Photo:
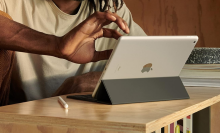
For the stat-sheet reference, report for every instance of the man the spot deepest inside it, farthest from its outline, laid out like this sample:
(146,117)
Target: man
(65,29)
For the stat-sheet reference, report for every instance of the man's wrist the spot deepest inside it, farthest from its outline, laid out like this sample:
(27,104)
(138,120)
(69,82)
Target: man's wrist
(55,50)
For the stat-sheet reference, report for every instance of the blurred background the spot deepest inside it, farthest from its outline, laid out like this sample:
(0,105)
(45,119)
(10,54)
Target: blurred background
(179,17)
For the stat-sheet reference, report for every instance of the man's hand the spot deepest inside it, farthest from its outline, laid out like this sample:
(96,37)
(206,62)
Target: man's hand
(79,44)
(83,83)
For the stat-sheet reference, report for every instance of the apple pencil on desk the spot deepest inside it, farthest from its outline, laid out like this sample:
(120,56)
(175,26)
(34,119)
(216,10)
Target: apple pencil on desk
(62,102)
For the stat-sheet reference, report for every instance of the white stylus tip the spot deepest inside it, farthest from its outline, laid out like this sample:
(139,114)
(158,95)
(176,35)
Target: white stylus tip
(65,106)
(62,102)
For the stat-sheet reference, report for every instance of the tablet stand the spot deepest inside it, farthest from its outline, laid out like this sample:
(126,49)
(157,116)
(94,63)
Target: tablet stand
(124,91)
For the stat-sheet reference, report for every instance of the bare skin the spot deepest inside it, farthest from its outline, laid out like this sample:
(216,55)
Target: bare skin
(67,6)
(82,83)
(77,46)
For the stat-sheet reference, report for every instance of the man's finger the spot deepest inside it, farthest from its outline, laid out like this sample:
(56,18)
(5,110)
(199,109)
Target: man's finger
(126,30)
(110,17)
(109,33)
(119,21)
(102,15)
(101,55)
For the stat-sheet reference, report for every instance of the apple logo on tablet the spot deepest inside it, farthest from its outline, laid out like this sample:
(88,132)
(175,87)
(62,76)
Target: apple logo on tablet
(147,68)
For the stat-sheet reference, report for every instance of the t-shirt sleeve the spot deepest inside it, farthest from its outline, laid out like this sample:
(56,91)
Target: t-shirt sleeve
(2,5)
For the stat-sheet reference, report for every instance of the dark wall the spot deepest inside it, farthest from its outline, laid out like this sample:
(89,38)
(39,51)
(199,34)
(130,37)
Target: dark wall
(179,17)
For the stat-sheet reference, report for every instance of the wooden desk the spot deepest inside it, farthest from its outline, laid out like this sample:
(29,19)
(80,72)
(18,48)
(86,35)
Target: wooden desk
(47,115)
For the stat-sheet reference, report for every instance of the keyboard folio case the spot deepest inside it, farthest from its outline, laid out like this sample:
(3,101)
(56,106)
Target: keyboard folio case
(124,91)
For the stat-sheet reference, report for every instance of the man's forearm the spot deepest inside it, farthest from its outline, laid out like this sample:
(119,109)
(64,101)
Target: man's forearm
(17,37)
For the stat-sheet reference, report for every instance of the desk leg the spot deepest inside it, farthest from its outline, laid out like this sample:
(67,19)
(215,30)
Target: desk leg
(215,118)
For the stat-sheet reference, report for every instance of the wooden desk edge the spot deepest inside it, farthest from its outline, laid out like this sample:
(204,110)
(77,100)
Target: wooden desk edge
(103,125)
(70,123)
(164,121)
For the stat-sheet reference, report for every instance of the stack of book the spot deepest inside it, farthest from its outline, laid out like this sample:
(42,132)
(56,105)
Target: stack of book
(201,75)
(194,75)
(184,125)
(181,126)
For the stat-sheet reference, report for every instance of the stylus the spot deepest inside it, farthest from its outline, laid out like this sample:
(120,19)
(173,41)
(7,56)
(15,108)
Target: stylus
(62,102)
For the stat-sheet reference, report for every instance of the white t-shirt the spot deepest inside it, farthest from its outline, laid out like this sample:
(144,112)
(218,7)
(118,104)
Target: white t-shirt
(39,76)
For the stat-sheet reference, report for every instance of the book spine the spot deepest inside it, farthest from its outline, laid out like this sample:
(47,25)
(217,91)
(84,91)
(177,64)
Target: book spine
(189,124)
(158,131)
(172,128)
(177,129)
(175,124)
(168,128)
(184,125)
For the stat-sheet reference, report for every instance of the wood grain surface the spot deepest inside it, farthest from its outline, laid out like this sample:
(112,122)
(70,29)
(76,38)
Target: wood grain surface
(215,118)
(179,17)
(166,129)
(82,116)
